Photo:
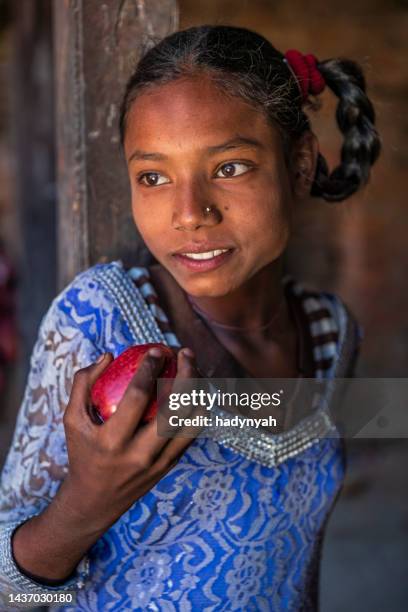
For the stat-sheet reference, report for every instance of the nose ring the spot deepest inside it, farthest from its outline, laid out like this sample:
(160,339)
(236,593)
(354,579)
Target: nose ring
(208,209)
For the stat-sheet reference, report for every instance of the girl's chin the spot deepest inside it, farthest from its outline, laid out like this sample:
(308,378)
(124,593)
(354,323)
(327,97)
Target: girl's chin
(208,287)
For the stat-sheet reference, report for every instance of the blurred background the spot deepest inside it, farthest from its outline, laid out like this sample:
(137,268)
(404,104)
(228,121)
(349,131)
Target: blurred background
(358,248)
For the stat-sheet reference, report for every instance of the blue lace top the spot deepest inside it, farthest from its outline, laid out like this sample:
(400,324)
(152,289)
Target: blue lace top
(233,526)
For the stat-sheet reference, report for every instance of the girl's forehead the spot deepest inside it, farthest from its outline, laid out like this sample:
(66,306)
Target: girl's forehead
(192,109)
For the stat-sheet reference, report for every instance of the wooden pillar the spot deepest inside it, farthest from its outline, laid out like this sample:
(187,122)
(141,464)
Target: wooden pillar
(96,46)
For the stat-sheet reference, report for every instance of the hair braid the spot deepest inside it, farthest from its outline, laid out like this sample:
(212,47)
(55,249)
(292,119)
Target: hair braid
(356,120)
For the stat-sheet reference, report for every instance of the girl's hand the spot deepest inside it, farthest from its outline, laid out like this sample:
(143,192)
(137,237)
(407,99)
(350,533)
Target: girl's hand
(114,464)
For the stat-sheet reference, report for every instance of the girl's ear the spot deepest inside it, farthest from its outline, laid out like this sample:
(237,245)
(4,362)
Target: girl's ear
(303,162)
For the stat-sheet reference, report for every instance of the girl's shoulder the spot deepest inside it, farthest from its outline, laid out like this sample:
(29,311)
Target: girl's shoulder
(87,282)
(88,302)
(87,291)
(110,307)
(336,333)
(321,305)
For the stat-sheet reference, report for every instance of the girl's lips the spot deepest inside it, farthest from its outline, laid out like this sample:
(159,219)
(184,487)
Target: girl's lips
(202,265)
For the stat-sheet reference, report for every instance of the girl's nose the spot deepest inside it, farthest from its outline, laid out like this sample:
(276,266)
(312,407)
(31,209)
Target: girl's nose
(193,207)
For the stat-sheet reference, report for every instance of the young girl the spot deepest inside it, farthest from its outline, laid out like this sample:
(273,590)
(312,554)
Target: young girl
(220,153)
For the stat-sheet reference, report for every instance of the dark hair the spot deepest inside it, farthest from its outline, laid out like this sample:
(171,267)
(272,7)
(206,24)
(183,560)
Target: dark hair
(243,63)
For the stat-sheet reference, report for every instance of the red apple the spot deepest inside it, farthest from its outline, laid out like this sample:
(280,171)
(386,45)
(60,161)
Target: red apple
(111,385)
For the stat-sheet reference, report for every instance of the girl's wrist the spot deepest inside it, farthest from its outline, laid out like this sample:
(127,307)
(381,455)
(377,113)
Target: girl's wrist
(73,508)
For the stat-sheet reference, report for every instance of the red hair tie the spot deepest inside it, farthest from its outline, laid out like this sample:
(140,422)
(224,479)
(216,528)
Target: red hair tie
(305,69)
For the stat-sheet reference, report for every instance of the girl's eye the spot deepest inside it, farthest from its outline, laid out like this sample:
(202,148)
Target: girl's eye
(152,179)
(232,169)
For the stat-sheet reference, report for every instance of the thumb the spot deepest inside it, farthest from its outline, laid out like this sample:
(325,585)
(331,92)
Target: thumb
(86,377)
(82,385)
(95,369)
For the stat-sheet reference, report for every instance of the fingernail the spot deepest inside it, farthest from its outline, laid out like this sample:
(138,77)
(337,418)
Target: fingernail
(155,352)
(188,353)
(100,358)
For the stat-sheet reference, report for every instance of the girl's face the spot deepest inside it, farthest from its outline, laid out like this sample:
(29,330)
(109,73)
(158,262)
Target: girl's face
(189,146)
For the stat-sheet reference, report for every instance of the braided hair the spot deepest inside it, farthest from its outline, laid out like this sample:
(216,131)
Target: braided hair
(243,63)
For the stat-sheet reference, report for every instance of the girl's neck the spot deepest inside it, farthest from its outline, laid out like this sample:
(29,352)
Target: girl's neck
(257,309)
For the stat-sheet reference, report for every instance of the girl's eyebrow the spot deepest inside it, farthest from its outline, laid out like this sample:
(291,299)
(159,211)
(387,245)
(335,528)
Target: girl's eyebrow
(234,143)
(238,142)
(138,154)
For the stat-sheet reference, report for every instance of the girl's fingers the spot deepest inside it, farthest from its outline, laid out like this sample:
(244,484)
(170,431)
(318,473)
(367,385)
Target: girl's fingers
(175,448)
(162,450)
(153,438)
(142,389)
(79,402)
(186,364)
(96,369)
(140,392)
(186,370)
